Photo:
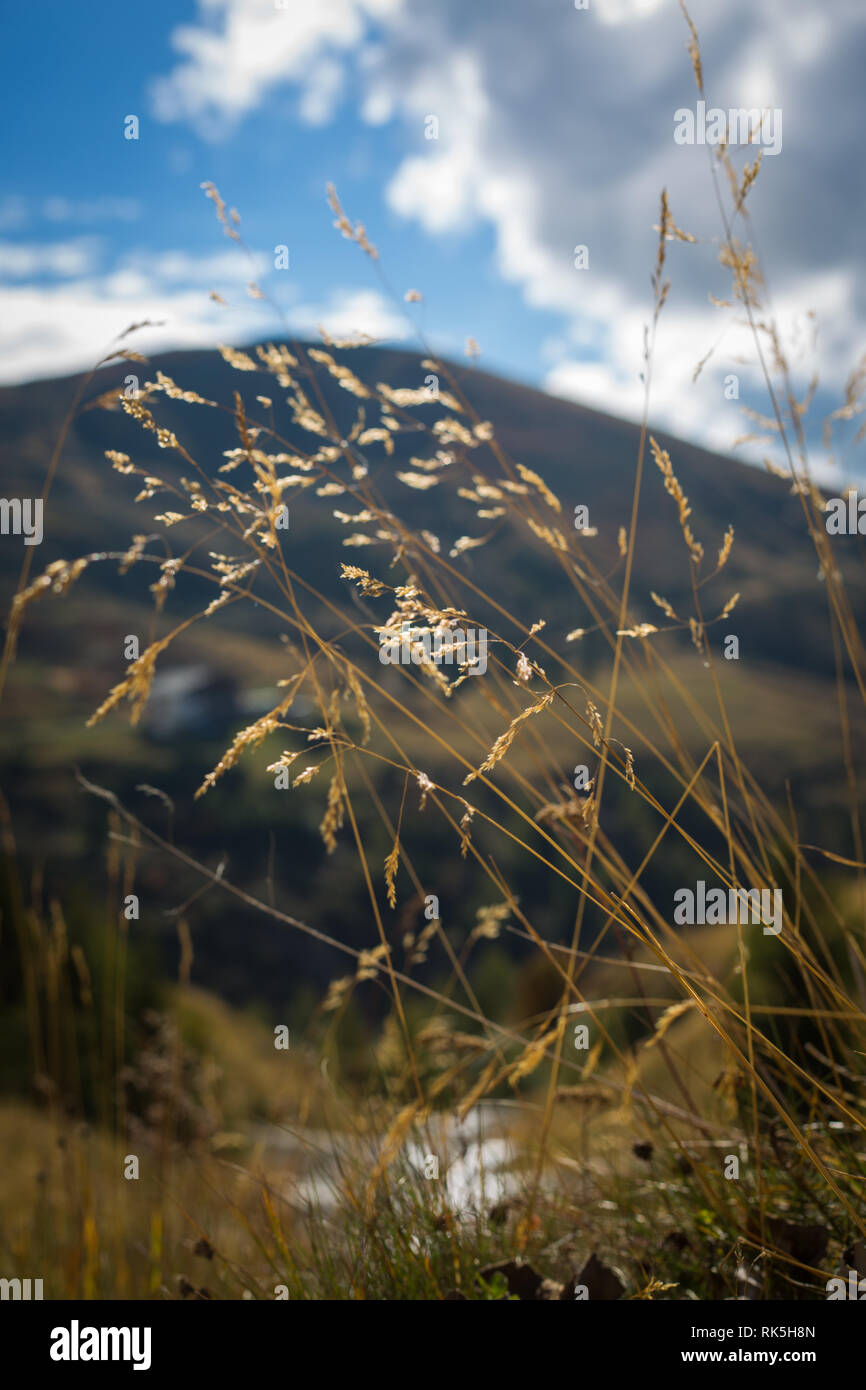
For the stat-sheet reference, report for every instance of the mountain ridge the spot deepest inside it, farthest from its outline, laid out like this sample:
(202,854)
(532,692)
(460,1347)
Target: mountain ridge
(587,457)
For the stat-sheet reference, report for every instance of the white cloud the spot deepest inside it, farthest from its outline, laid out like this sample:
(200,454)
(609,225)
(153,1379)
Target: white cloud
(319,99)
(556,129)
(26,260)
(48,331)
(54,329)
(700,409)
(93,210)
(18,211)
(245,48)
(613,12)
(216,271)
(350,312)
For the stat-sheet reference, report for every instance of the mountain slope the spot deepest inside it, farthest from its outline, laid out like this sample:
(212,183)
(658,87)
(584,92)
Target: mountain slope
(587,458)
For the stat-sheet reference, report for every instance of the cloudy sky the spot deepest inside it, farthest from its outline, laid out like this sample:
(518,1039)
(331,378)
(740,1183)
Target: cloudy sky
(555,129)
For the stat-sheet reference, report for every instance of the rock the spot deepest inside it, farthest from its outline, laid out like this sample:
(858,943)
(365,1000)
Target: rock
(600,1280)
(805,1243)
(521,1278)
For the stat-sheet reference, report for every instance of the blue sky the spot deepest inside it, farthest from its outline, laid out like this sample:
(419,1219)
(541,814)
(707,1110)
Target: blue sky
(131,205)
(555,128)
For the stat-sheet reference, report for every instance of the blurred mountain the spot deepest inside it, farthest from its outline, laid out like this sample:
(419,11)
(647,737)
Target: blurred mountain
(781,694)
(586,457)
